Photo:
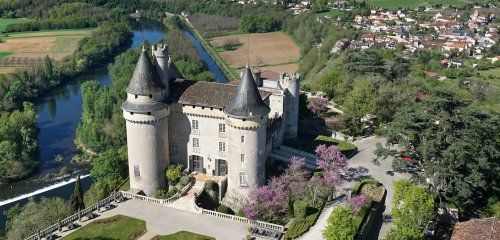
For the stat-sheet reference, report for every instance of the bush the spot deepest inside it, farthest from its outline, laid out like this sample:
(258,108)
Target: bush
(184,180)
(162,194)
(300,226)
(240,213)
(300,208)
(225,209)
(210,185)
(174,173)
(231,44)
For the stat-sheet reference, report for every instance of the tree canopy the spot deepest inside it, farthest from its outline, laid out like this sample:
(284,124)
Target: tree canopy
(456,144)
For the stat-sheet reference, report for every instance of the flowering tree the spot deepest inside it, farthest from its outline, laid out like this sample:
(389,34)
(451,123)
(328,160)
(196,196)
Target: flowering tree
(268,202)
(333,163)
(357,203)
(317,105)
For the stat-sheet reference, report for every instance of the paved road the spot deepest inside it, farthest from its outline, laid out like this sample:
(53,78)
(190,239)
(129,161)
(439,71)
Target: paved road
(362,166)
(162,220)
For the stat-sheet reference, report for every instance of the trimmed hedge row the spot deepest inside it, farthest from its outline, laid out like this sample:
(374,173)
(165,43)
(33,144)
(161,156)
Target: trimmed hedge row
(359,184)
(301,225)
(346,148)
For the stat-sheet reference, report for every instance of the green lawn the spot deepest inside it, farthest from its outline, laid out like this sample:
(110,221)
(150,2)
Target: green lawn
(4,22)
(183,235)
(415,3)
(116,227)
(491,76)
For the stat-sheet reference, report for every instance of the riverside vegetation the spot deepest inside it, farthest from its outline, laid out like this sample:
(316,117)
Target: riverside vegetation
(19,145)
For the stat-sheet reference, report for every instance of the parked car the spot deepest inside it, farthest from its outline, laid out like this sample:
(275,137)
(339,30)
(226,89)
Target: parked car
(411,168)
(390,173)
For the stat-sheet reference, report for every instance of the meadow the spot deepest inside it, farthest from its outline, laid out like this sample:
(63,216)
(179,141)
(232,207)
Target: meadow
(273,51)
(24,48)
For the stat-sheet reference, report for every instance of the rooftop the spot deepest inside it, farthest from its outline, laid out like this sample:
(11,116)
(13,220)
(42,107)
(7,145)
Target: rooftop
(477,229)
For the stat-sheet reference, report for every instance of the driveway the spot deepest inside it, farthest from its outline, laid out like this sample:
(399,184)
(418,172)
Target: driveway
(362,166)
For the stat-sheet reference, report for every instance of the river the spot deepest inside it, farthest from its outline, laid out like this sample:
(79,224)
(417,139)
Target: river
(59,113)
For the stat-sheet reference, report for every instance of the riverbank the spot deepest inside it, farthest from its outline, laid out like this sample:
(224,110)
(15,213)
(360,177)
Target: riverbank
(228,71)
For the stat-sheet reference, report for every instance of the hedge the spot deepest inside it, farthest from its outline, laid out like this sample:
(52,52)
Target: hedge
(300,208)
(346,148)
(301,225)
(359,184)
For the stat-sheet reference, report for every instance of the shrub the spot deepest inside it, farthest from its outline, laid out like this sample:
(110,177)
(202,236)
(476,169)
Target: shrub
(240,213)
(174,173)
(231,44)
(210,185)
(225,209)
(184,180)
(300,208)
(162,194)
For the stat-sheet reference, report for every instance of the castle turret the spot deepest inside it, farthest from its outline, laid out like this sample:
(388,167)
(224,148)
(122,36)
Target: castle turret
(161,61)
(146,111)
(247,120)
(290,83)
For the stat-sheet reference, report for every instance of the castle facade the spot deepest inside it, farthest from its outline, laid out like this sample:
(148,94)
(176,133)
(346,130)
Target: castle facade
(211,128)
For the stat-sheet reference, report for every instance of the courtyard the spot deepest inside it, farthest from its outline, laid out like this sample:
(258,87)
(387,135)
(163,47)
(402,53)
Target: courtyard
(163,221)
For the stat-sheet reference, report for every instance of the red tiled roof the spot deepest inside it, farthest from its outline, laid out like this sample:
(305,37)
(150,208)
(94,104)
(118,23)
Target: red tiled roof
(477,229)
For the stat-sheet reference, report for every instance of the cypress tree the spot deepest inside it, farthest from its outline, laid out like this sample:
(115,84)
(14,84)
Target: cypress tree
(76,200)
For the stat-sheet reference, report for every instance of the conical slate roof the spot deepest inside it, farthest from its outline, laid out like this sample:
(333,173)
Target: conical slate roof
(247,101)
(145,80)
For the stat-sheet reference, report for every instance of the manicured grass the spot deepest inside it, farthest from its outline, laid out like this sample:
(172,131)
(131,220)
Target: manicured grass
(491,76)
(183,235)
(116,227)
(4,22)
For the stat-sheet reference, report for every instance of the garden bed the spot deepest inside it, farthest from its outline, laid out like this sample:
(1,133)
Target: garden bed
(183,235)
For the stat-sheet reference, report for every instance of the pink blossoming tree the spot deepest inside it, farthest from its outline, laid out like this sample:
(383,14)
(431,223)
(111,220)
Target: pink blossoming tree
(357,203)
(317,105)
(333,163)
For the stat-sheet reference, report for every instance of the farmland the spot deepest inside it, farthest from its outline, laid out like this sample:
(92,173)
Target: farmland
(273,51)
(24,48)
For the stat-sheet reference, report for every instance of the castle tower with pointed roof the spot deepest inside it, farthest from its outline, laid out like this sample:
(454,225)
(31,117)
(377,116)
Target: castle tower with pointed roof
(247,118)
(146,112)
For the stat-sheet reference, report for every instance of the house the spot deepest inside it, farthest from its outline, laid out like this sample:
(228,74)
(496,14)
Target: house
(477,229)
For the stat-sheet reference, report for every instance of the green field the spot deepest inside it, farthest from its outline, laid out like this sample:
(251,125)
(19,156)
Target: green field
(183,235)
(116,227)
(491,76)
(415,3)
(4,22)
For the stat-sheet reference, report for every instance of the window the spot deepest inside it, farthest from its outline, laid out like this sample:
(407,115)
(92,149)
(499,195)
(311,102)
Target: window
(136,96)
(196,142)
(194,124)
(243,179)
(242,139)
(174,149)
(242,157)
(222,146)
(222,127)
(137,171)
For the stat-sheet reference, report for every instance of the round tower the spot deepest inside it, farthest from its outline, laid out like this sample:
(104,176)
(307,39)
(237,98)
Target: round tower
(247,120)
(292,98)
(161,62)
(145,111)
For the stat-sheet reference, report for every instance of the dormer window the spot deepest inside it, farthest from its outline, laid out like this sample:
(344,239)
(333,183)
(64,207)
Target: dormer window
(136,96)
(150,96)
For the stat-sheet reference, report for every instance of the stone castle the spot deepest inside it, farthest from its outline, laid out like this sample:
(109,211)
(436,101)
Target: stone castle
(212,128)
